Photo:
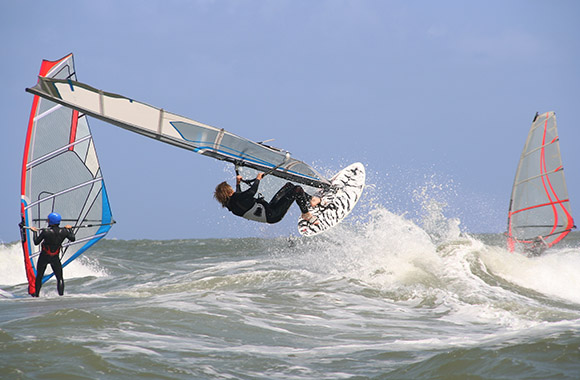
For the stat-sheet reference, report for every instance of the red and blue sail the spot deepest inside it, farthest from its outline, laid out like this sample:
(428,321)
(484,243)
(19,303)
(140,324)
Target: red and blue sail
(61,173)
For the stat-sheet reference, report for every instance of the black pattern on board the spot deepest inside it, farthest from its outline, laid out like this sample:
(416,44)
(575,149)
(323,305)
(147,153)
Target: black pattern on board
(337,202)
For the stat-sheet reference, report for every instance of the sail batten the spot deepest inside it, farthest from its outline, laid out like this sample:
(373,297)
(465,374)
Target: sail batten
(156,123)
(50,155)
(47,112)
(539,176)
(539,215)
(63,192)
(60,173)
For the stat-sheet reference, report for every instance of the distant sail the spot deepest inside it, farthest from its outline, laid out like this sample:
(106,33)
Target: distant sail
(539,209)
(61,173)
(176,130)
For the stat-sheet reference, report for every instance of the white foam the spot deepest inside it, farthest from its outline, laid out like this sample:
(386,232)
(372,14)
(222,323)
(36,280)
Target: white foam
(11,265)
(386,252)
(556,273)
(12,270)
(458,277)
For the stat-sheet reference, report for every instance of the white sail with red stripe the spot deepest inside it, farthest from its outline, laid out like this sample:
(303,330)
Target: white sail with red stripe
(61,173)
(539,213)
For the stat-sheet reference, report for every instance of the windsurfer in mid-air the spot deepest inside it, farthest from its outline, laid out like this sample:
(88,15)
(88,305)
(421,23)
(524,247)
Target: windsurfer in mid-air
(247,205)
(51,239)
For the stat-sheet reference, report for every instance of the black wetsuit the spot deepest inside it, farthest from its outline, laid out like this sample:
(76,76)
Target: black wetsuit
(536,248)
(245,204)
(51,238)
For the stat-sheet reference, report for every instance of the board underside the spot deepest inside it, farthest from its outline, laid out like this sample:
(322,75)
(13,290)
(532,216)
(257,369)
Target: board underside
(337,202)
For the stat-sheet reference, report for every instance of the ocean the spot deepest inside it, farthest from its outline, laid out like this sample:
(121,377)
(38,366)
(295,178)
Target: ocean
(386,298)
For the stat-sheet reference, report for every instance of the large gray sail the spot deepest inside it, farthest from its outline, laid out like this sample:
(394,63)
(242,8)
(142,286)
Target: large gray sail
(176,130)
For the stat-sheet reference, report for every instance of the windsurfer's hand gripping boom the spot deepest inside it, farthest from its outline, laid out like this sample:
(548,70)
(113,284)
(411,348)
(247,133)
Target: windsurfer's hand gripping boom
(240,179)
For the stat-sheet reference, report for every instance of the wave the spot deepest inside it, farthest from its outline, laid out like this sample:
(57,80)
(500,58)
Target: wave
(428,261)
(436,265)
(12,270)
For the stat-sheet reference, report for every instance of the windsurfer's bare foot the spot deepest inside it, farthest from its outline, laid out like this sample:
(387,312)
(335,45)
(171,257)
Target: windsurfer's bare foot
(315,201)
(312,219)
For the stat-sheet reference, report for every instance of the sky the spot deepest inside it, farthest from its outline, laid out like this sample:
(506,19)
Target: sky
(434,97)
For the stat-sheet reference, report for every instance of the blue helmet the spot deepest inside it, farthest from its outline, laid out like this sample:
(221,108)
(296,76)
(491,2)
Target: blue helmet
(54,218)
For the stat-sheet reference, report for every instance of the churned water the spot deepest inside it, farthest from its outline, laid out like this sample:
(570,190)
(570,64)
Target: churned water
(383,299)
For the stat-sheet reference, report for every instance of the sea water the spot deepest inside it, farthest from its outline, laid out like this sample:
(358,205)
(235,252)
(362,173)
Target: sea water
(386,298)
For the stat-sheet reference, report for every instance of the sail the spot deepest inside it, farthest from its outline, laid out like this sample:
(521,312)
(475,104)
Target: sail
(176,130)
(61,173)
(539,209)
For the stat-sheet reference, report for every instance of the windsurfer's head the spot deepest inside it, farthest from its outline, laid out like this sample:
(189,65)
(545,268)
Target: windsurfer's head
(54,218)
(222,193)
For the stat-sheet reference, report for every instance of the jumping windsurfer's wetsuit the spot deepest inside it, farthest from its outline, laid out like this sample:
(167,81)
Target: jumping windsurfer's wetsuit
(51,238)
(246,205)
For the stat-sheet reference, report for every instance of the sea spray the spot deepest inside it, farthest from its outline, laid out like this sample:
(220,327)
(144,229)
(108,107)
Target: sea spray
(12,266)
(556,274)
(384,295)
(379,299)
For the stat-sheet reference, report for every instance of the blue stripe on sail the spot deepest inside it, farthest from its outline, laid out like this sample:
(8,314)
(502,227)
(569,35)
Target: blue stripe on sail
(207,145)
(252,160)
(102,231)
(107,217)
(87,245)
(107,214)
(236,154)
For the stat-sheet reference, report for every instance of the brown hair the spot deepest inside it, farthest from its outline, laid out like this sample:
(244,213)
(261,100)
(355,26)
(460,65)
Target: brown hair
(222,193)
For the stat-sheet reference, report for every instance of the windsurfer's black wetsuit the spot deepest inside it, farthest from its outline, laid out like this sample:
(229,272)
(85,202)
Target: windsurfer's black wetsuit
(537,247)
(51,238)
(246,205)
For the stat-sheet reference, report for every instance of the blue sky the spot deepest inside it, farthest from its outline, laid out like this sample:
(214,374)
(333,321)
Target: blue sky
(433,96)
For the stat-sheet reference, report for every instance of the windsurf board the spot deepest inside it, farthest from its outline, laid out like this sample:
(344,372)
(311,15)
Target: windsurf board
(336,202)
